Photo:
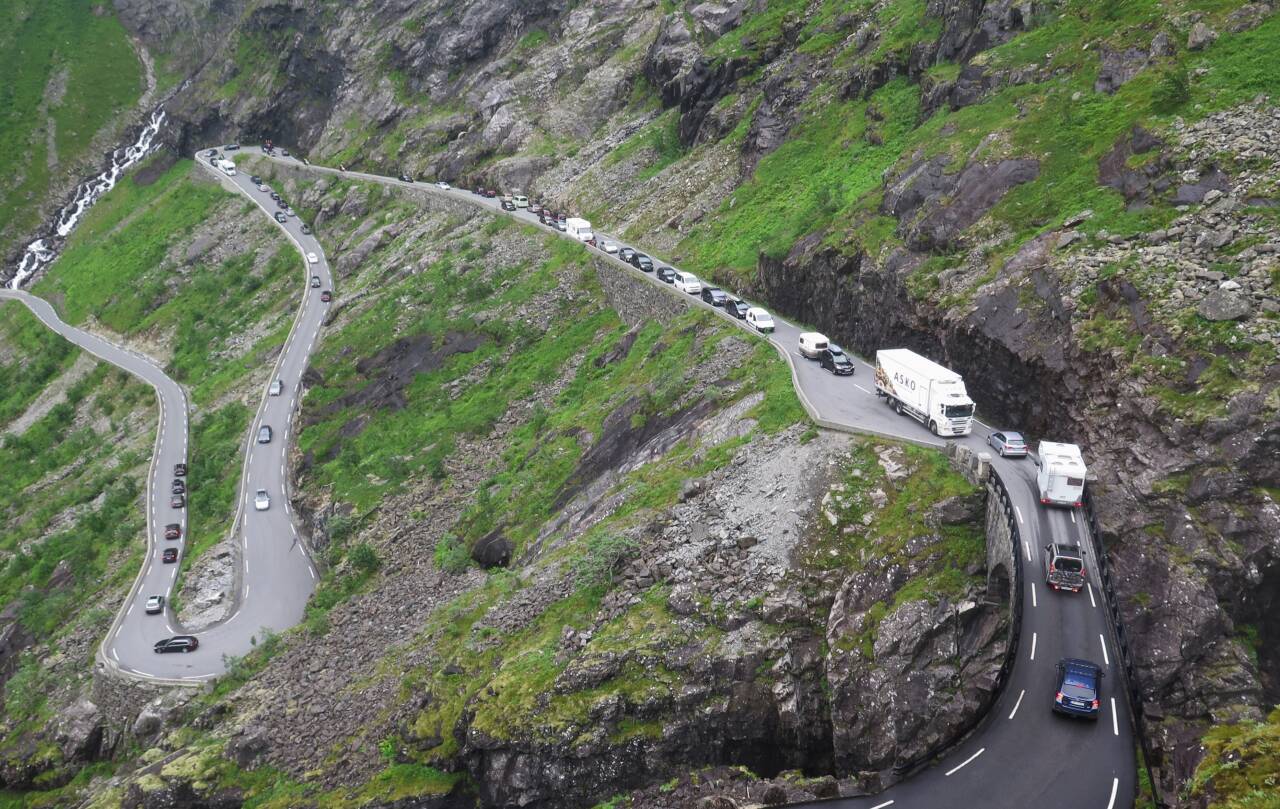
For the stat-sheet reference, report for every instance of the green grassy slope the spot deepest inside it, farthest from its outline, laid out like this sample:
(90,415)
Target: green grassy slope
(71,523)
(68,70)
(827,176)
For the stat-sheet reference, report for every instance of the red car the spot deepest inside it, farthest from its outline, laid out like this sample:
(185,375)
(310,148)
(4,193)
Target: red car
(326,296)
(170,555)
(172,531)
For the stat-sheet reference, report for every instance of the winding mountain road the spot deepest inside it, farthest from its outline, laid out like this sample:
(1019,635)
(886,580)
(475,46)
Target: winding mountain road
(1021,756)
(274,575)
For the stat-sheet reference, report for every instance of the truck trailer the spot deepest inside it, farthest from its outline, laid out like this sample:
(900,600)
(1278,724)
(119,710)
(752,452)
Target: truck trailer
(1061,474)
(921,388)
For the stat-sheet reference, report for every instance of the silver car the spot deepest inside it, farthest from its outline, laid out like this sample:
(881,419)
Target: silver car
(1008,444)
(261,501)
(155,605)
(264,434)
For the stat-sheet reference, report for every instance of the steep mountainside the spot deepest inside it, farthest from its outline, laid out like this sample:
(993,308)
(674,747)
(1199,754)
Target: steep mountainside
(1071,202)
(72,79)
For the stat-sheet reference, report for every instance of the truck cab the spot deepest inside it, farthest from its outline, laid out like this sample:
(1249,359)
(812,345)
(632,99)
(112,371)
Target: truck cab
(1064,567)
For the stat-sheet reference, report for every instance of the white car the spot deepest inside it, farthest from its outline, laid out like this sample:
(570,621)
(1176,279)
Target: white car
(155,605)
(609,247)
(687,282)
(277,387)
(812,344)
(261,501)
(312,258)
(760,319)
(521,201)
(263,187)
(443,185)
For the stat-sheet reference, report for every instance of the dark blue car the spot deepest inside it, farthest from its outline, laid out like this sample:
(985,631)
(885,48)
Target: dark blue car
(1079,691)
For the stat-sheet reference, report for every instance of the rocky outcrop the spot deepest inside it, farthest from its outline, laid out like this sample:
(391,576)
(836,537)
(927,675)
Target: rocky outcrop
(1185,490)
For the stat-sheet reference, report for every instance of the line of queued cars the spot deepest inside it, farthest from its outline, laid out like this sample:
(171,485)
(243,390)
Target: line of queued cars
(155,604)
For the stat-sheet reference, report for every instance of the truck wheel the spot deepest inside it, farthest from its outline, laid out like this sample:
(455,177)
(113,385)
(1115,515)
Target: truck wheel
(897,407)
(933,426)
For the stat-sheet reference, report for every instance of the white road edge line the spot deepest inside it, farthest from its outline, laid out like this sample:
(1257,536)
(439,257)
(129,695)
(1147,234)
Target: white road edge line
(1105,658)
(1018,704)
(1115,785)
(956,768)
(1115,723)
(1091,601)
(1033,646)
(1033,595)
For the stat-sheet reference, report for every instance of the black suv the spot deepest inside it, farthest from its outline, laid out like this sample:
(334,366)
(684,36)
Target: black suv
(642,262)
(405,178)
(737,308)
(1064,567)
(180,469)
(666,275)
(178,643)
(1079,688)
(714,296)
(178,487)
(836,361)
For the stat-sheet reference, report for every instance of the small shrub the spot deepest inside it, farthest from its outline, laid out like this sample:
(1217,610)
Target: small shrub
(1171,91)
(451,555)
(364,559)
(340,526)
(604,555)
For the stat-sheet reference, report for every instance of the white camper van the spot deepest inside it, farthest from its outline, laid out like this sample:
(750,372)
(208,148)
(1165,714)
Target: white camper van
(1061,474)
(228,167)
(924,390)
(579,229)
(812,344)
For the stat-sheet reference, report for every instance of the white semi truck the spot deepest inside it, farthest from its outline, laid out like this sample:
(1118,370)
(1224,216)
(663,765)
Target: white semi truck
(923,389)
(228,167)
(1061,474)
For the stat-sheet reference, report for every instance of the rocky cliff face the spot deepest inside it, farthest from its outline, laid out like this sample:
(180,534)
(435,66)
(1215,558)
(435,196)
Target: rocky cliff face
(1186,459)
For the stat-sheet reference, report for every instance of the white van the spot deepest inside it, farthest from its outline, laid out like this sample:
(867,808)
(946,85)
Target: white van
(760,319)
(812,344)
(228,167)
(521,201)
(687,282)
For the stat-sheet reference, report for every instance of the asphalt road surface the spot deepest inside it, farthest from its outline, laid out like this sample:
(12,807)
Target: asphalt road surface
(1023,755)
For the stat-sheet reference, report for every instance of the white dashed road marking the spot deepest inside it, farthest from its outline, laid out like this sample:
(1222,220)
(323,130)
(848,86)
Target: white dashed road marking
(1018,511)
(859,387)
(1115,723)
(1073,516)
(1017,704)
(1033,595)
(1026,549)
(1091,601)
(882,805)
(956,768)
(1033,646)
(1105,658)
(1115,785)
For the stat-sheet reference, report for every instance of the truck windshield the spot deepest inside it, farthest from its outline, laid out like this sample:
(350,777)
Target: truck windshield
(958,411)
